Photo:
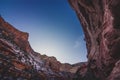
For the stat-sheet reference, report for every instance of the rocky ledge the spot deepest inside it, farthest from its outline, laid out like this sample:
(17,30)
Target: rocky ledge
(100,21)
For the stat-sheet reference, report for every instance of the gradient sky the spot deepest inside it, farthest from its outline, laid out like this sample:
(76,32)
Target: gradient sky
(53,27)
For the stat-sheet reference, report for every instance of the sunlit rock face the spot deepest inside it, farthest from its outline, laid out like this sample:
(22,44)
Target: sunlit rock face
(100,21)
(19,62)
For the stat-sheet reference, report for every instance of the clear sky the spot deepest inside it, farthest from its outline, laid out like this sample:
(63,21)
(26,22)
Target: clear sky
(53,27)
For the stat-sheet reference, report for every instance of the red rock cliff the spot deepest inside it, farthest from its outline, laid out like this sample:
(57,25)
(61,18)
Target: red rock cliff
(19,37)
(19,62)
(100,21)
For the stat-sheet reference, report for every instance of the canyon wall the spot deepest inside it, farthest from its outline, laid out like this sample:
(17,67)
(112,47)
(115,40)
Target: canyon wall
(18,61)
(100,20)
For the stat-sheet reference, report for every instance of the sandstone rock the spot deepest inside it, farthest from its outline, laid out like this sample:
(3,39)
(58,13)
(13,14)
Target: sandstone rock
(100,21)
(52,63)
(115,74)
(66,67)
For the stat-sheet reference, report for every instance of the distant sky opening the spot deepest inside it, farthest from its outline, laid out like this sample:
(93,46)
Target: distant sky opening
(53,27)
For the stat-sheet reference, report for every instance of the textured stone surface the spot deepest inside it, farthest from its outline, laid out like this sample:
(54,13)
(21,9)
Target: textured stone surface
(100,21)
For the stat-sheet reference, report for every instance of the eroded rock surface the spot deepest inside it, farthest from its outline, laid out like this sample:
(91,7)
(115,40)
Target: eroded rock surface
(100,21)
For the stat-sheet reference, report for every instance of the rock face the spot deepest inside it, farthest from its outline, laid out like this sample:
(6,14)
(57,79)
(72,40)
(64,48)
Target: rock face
(18,61)
(100,21)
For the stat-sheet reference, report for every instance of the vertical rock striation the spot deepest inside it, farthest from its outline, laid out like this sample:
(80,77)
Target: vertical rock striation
(100,21)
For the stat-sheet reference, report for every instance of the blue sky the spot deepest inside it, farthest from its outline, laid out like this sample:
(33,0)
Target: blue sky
(53,27)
